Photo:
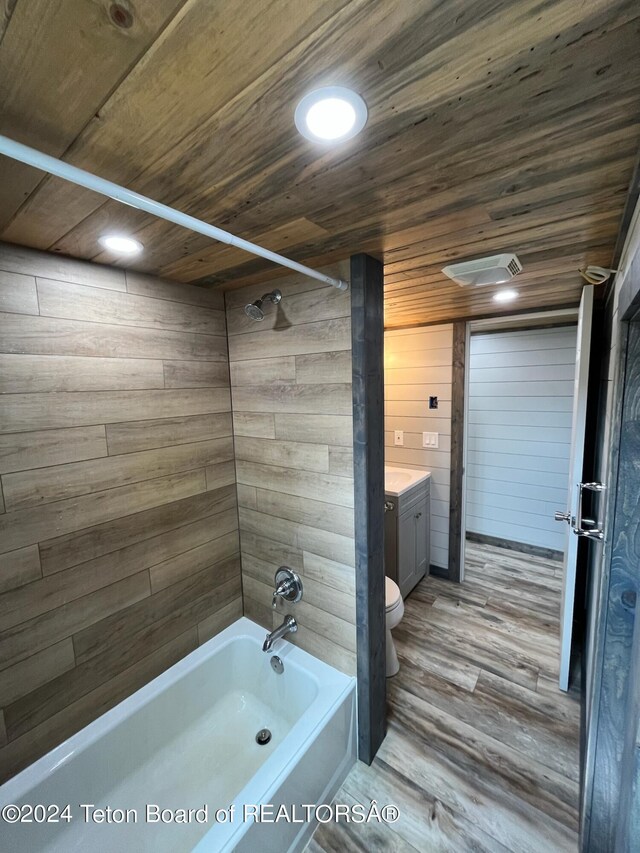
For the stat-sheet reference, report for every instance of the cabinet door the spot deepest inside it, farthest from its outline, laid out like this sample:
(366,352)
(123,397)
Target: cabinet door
(406,552)
(421,518)
(413,546)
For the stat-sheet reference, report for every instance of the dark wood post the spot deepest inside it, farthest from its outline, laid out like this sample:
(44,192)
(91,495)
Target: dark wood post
(367,337)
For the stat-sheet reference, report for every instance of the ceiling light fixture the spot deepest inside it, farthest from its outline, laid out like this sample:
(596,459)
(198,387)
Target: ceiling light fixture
(121,245)
(331,114)
(505,295)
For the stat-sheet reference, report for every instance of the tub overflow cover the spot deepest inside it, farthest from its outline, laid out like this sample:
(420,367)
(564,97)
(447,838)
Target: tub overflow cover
(263,737)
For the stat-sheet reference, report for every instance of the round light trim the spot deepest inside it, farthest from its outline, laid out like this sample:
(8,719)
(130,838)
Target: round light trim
(121,245)
(331,114)
(505,295)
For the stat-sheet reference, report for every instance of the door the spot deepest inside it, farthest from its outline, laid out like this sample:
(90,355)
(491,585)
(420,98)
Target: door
(413,544)
(576,462)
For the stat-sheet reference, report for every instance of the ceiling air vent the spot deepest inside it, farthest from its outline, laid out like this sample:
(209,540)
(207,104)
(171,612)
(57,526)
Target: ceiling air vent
(498,269)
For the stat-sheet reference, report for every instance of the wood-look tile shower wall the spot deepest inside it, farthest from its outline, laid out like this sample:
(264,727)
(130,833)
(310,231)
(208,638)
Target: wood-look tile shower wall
(119,545)
(293,427)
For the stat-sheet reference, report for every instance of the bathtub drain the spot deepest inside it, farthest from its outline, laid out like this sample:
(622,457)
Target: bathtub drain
(263,737)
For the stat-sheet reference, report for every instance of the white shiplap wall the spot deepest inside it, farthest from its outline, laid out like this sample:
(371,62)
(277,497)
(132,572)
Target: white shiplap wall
(519,433)
(417,366)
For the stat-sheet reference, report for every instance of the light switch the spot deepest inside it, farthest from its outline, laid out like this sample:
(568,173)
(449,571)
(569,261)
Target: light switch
(430,439)
(398,438)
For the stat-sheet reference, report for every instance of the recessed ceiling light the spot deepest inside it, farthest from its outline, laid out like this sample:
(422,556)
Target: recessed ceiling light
(331,114)
(121,245)
(505,295)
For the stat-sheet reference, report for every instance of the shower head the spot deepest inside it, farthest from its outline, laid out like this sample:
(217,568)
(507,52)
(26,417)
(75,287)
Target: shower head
(254,309)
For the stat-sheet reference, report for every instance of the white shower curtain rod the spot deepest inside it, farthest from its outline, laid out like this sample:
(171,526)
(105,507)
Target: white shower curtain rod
(54,166)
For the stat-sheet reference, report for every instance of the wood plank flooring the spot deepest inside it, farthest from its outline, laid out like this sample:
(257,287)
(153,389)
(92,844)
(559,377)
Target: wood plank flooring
(481,752)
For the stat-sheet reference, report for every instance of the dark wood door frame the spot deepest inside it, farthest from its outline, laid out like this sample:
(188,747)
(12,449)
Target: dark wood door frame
(456,496)
(610,789)
(367,341)
(611,764)
(453,572)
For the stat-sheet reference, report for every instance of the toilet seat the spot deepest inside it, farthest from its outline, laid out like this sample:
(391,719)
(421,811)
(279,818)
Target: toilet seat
(392,597)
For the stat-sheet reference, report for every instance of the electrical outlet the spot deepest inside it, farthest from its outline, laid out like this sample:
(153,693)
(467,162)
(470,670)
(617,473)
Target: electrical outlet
(430,440)
(398,438)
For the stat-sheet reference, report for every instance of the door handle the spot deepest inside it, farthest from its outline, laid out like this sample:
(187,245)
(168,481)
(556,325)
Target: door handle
(562,516)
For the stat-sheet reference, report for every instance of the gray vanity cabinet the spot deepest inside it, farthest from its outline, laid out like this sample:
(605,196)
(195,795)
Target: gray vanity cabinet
(407,533)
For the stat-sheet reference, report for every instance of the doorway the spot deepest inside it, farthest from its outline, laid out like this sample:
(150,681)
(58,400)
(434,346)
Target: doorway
(519,412)
(524,436)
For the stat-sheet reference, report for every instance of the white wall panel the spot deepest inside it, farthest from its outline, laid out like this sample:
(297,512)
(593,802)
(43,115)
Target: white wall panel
(534,477)
(487,402)
(521,418)
(519,433)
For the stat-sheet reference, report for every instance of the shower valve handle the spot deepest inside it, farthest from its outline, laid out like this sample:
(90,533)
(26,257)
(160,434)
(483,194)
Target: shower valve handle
(280,592)
(288,586)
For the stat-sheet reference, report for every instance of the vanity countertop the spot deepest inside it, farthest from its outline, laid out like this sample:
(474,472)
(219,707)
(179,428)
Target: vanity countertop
(397,481)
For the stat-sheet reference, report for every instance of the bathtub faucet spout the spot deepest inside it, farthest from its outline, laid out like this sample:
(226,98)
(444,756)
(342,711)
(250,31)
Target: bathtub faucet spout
(289,626)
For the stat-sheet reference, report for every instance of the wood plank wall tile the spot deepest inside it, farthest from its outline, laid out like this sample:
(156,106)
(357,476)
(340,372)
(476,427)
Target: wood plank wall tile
(218,621)
(293,428)
(158,288)
(199,374)
(131,436)
(119,547)
(161,615)
(41,448)
(24,412)
(44,485)
(77,302)
(18,293)
(56,336)
(19,567)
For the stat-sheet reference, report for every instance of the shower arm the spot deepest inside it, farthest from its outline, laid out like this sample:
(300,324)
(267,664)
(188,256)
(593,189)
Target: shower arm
(54,166)
(271,297)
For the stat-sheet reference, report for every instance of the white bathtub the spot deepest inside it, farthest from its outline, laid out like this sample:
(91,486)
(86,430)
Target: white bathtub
(187,740)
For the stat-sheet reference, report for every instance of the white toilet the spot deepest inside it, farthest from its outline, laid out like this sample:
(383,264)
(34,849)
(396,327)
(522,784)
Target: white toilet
(394,613)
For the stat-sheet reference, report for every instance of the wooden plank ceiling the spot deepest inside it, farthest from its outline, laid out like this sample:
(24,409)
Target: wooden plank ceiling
(498,125)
